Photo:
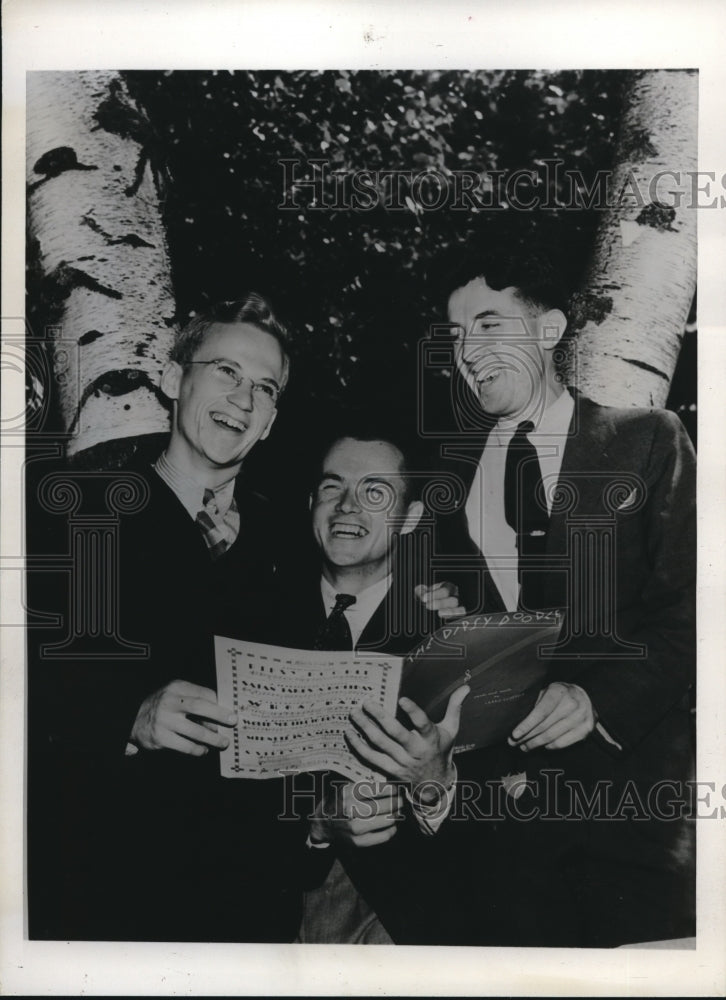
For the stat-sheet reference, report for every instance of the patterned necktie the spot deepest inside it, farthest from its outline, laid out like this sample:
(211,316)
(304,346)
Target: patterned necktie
(218,532)
(335,631)
(524,513)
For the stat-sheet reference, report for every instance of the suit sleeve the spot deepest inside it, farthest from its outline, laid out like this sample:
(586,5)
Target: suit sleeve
(632,695)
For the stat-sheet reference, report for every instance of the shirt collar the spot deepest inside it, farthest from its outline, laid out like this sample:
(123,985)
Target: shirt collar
(366,601)
(554,419)
(189,491)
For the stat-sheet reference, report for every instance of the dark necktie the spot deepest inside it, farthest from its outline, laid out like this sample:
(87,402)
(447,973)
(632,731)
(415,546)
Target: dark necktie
(335,632)
(525,514)
(219,533)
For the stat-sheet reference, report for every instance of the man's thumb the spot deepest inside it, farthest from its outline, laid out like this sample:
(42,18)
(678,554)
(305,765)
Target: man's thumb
(453,710)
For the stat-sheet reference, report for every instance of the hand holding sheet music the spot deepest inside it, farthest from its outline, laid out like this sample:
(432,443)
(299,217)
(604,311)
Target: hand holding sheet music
(294,706)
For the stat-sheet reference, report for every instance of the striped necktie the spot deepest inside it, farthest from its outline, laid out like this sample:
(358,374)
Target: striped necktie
(218,532)
(335,631)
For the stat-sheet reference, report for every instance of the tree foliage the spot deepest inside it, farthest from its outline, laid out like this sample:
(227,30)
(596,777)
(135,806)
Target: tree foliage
(358,283)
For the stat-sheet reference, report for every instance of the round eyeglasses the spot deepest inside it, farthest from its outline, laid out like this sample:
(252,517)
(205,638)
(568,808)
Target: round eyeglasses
(229,375)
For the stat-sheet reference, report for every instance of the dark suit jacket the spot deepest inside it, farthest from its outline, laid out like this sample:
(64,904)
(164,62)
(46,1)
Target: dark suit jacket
(408,880)
(627,486)
(155,846)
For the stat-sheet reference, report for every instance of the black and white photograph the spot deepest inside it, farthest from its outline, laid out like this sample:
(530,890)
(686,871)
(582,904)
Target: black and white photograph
(354,572)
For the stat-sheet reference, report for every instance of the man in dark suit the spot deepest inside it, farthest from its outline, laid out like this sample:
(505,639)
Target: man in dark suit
(134,835)
(566,503)
(361,594)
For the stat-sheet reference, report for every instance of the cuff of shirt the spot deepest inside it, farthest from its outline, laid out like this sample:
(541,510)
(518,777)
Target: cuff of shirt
(606,735)
(600,729)
(430,816)
(317,845)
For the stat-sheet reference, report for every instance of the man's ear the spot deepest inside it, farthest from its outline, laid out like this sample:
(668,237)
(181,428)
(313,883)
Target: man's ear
(171,380)
(270,422)
(413,516)
(551,327)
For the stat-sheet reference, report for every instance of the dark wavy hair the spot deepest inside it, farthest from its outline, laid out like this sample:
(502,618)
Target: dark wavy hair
(534,273)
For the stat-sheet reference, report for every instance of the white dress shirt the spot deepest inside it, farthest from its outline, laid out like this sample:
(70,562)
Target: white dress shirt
(488,526)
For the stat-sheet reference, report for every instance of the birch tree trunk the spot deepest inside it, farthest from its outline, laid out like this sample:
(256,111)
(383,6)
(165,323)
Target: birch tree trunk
(631,316)
(98,242)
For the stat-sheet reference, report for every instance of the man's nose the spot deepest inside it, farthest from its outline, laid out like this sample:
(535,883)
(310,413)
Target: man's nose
(473,346)
(348,501)
(242,395)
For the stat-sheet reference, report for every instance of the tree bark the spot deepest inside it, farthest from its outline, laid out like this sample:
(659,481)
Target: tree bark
(99,248)
(630,317)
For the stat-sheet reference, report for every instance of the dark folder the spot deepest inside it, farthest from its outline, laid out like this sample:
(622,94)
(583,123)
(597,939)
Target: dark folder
(500,656)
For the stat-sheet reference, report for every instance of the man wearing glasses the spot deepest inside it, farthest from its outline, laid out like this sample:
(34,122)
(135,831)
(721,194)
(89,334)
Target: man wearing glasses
(135,835)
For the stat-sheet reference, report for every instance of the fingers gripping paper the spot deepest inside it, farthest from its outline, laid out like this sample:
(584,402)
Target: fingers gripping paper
(293,706)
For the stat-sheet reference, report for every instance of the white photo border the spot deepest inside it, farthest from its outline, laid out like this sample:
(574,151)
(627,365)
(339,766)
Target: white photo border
(252,34)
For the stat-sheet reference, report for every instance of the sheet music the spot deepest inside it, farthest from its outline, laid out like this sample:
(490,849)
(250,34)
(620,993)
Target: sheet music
(293,706)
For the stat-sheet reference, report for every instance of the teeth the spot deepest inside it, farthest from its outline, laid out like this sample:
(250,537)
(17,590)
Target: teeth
(348,531)
(225,421)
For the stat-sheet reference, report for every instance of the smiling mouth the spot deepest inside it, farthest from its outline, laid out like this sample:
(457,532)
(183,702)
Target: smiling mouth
(229,423)
(341,529)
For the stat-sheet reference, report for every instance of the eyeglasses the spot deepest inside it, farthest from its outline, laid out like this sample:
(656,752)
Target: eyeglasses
(229,376)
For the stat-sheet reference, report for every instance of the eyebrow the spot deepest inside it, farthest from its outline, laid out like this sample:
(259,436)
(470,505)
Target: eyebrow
(383,478)
(488,312)
(265,378)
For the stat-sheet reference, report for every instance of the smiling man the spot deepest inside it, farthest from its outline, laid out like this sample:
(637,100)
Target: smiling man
(140,838)
(359,510)
(224,379)
(361,595)
(569,504)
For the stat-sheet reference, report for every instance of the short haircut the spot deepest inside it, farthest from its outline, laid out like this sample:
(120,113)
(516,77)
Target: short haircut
(251,308)
(534,274)
(367,429)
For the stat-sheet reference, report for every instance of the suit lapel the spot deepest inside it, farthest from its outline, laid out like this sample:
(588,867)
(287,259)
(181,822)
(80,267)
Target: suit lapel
(584,460)
(461,458)
(375,630)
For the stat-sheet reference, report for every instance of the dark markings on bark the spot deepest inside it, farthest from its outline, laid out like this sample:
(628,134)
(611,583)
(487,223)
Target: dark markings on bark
(646,367)
(56,162)
(637,147)
(658,216)
(116,383)
(117,454)
(589,307)
(118,115)
(130,239)
(64,279)
(89,337)
(88,220)
(141,350)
